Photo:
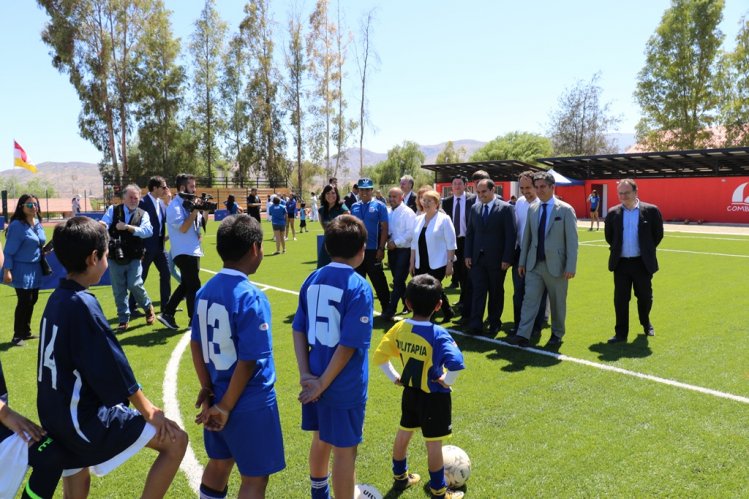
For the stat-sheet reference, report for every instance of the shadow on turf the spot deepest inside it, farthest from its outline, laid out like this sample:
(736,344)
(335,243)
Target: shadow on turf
(157,337)
(638,349)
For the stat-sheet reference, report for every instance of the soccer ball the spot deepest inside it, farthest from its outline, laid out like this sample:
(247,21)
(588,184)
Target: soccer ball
(366,491)
(457,465)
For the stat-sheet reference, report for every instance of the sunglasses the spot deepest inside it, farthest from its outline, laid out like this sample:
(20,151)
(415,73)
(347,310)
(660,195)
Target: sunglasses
(30,205)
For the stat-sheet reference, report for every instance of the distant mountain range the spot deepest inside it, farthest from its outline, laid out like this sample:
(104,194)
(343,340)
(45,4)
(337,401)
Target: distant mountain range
(68,179)
(75,177)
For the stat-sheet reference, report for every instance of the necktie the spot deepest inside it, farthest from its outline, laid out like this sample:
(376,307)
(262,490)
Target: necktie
(485,216)
(456,217)
(540,249)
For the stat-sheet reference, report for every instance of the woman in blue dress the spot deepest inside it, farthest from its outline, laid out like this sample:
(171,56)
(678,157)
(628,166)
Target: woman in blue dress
(22,269)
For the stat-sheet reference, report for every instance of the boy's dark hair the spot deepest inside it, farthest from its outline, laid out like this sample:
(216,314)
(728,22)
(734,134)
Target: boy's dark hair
(77,238)
(236,235)
(154,182)
(304,205)
(344,236)
(423,293)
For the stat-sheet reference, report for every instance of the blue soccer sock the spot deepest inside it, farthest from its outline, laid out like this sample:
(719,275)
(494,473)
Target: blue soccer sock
(400,468)
(320,487)
(437,481)
(208,493)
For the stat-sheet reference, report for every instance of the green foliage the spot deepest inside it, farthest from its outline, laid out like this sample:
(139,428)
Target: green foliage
(677,87)
(42,188)
(450,155)
(296,68)
(405,159)
(734,90)
(579,124)
(521,146)
(206,47)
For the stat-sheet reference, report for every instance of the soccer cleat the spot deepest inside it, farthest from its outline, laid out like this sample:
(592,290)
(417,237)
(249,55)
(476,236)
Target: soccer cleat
(446,494)
(167,320)
(402,482)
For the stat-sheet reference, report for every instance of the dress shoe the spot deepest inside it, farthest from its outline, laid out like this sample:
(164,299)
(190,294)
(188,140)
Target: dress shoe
(17,342)
(472,331)
(518,341)
(617,339)
(447,315)
(122,327)
(493,330)
(554,341)
(387,318)
(650,330)
(30,337)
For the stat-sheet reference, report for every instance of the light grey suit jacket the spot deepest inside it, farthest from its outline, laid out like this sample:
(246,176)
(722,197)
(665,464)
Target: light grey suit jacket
(560,245)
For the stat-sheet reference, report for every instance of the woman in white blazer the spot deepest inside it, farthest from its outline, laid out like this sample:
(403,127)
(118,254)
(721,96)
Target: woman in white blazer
(433,245)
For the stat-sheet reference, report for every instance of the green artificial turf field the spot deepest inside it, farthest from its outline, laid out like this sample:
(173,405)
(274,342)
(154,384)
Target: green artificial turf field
(532,424)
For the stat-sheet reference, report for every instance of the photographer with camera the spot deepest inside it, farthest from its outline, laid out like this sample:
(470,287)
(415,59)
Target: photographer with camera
(184,217)
(128,226)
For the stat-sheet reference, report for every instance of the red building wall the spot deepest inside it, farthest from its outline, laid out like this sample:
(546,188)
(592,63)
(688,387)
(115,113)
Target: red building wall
(711,199)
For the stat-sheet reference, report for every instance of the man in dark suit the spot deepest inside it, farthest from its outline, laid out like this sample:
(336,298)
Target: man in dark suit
(489,252)
(633,230)
(409,196)
(458,207)
(154,245)
(352,197)
(548,260)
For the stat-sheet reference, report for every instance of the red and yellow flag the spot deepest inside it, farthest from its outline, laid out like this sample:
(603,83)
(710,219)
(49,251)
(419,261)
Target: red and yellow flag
(20,159)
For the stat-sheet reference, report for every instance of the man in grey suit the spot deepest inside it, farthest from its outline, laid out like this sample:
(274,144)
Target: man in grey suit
(548,258)
(489,252)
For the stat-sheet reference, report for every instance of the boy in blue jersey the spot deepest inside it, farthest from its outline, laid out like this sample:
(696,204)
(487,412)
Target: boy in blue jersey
(332,330)
(431,361)
(233,358)
(84,381)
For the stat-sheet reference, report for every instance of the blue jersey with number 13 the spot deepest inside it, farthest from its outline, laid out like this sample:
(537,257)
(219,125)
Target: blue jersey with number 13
(232,322)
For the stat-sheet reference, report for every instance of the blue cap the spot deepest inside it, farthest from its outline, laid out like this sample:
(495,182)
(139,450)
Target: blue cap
(365,183)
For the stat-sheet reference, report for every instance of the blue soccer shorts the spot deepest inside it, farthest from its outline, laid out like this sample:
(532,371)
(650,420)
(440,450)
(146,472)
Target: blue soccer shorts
(337,427)
(252,438)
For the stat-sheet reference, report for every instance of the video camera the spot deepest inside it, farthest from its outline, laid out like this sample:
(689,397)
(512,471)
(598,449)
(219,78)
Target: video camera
(191,202)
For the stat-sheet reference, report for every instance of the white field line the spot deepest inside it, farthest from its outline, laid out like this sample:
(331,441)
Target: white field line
(598,244)
(194,470)
(190,464)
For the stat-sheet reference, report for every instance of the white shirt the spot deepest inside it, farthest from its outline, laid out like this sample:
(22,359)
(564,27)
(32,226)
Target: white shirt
(159,204)
(440,236)
(462,200)
(521,216)
(401,223)
(187,243)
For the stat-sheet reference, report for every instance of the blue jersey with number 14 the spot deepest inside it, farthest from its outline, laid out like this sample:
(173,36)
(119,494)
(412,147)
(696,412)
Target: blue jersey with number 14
(336,308)
(232,322)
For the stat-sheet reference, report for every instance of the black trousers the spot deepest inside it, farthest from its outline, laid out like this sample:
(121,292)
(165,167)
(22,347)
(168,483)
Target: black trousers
(372,268)
(438,274)
(487,278)
(189,267)
(460,272)
(165,279)
(630,273)
(24,310)
(398,260)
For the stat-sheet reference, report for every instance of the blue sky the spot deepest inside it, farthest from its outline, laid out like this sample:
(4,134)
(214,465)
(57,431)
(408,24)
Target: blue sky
(448,70)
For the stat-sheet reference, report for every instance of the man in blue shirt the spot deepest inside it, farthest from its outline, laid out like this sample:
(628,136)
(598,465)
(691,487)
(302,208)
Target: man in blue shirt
(184,234)
(128,226)
(374,214)
(233,357)
(332,330)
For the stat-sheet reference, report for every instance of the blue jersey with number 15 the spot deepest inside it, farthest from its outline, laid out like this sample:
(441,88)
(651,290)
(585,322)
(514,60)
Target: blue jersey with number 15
(336,308)
(232,322)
